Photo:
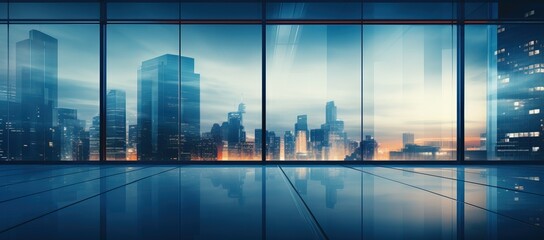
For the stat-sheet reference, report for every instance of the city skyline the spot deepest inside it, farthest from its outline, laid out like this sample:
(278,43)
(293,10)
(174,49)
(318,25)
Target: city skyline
(439,129)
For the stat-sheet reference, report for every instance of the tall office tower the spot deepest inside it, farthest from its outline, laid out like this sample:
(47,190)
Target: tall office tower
(330,112)
(301,147)
(70,130)
(408,138)
(258,142)
(289,145)
(335,138)
(272,146)
(317,140)
(132,136)
(520,91)
(37,91)
(189,108)
(302,125)
(116,125)
(94,139)
(235,134)
(168,108)
(242,111)
(369,147)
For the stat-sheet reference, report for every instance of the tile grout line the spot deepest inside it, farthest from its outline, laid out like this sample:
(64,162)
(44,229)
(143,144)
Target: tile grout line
(441,195)
(82,200)
(37,171)
(71,184)
(471,182)
(44,178)
(321,230)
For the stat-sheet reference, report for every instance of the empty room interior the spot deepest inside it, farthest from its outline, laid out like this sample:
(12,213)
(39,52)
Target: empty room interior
(271,119)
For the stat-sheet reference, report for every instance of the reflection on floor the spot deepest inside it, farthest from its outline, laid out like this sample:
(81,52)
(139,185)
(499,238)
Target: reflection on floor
(270,202)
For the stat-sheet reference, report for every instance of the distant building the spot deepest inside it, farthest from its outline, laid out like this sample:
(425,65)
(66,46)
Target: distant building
(116,126)
(94,139)
(369,148)
(289,145)
(408,138)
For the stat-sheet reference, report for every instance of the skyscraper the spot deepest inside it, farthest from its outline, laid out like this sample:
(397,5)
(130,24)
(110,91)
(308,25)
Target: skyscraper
(259,142)
(168,108)
(72,137)
(94,139)
(335,138)
(37,91)
(520,64)
(116,125)
(302,125)
(407,138)
(330,112)
(289,145)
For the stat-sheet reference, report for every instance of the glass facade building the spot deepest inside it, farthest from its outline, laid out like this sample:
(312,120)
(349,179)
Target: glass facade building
(276,80)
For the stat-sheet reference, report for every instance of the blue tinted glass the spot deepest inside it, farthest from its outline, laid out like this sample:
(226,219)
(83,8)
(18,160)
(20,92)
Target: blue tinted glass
(321,10)
(313,92)
(525,10)
(481,10)
(409,72)
(54,10)
(235,10)
(143,10)
(53,92)
(409,10)
(503,94)
(3,10)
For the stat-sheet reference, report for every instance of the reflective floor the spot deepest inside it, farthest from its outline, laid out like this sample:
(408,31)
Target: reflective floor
(271,202)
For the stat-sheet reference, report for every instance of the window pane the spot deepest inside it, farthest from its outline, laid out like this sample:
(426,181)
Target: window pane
(481,10)
(143,10)
(143,78)
(313,10)
(221,10)
(504,68)
(53,91)
(385,9)
(3,10)
(54,10)
(4,92)
(313,92)
(230,88)
(409,89)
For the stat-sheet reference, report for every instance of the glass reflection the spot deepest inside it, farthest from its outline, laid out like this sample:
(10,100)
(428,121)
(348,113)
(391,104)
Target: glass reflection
(313,92)
(276,202)
(51,93)
(504,66)
(409,89)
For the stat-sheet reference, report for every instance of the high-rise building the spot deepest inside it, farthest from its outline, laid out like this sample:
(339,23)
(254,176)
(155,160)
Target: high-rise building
(520,62)
(94,139)
(335,138)
(301,147)
(408,138)
(168,108)
(330,112)
(289,145)
(272,145)
(302,125)
(71,130)
(116,125)
(258,142)
(317,140)
(37,91)
(369,147)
